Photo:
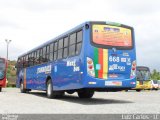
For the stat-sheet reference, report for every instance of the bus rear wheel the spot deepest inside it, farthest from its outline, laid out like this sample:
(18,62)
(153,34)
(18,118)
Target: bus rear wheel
(0,89)
(85,93)
(53,94)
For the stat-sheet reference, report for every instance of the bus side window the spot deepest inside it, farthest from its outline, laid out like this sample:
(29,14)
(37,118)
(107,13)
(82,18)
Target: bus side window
(51,52)
(32,59)
(18,65)
(37,58)
(79,36)
(40,56)
(55,50)
(44,55)
(78,48)
(47,53)
(26,61)
(65,49)
(35,55)
(60,48)
(72,50)
(72,46)
(79,42)
(29,60)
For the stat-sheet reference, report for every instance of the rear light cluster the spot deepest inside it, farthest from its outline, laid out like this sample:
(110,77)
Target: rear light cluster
(133,69)
(90,67)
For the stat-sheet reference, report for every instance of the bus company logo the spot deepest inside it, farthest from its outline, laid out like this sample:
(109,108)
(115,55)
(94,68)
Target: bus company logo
(45,69)
(73,63)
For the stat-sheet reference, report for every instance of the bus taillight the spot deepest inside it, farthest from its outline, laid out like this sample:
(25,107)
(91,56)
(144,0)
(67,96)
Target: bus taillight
(90,67)
(133,70)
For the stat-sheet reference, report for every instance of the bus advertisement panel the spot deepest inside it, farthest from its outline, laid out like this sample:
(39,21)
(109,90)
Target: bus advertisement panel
(94,56)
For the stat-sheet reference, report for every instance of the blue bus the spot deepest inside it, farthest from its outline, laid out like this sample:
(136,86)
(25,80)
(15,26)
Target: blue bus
(93,56)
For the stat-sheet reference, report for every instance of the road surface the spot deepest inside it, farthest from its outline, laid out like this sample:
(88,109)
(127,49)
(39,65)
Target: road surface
(35,102)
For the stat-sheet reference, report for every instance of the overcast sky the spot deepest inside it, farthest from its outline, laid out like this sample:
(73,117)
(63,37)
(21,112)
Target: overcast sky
(29,23)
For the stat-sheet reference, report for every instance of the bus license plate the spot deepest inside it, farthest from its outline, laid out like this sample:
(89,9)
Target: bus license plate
(113,83)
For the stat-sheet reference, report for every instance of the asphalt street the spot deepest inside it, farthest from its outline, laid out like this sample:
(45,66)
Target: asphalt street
(36,102)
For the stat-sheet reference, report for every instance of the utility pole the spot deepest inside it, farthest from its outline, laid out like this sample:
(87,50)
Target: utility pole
(7,41)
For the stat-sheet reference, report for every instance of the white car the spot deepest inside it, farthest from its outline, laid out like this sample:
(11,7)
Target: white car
(154,85)
(159,84)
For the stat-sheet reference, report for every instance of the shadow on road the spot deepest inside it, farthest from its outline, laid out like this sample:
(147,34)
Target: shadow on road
(92,101)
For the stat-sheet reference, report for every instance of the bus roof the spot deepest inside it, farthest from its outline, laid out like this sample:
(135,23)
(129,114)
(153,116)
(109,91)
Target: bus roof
(69,31)
(143,68)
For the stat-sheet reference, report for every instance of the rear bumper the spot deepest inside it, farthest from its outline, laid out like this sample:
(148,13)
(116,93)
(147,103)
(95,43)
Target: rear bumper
(91,82)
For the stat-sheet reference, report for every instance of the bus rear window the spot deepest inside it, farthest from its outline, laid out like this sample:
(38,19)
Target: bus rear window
(108,35)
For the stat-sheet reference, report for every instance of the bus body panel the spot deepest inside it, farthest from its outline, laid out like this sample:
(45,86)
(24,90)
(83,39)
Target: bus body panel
(62,76)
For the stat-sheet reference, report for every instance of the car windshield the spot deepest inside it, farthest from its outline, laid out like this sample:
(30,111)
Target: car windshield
(143,75)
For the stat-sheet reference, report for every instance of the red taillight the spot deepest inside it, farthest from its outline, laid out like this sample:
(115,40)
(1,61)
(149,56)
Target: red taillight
(90,67)
(133,68)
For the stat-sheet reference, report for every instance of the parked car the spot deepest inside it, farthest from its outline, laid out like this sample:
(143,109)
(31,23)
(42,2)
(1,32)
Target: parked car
(158,84)
(154,85)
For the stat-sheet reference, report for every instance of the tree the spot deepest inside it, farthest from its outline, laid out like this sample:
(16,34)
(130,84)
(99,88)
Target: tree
(155,75)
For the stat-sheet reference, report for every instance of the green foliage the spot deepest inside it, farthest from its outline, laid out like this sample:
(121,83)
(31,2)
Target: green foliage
(155,75)
(11,74)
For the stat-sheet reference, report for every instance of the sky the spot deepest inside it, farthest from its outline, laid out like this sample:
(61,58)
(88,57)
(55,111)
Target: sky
(29,23)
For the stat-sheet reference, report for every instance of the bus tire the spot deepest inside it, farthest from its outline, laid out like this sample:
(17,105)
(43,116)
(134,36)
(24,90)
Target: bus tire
(138,90)
(85,93)
(0,89)
(53,94)
(22,89)
(49,90)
